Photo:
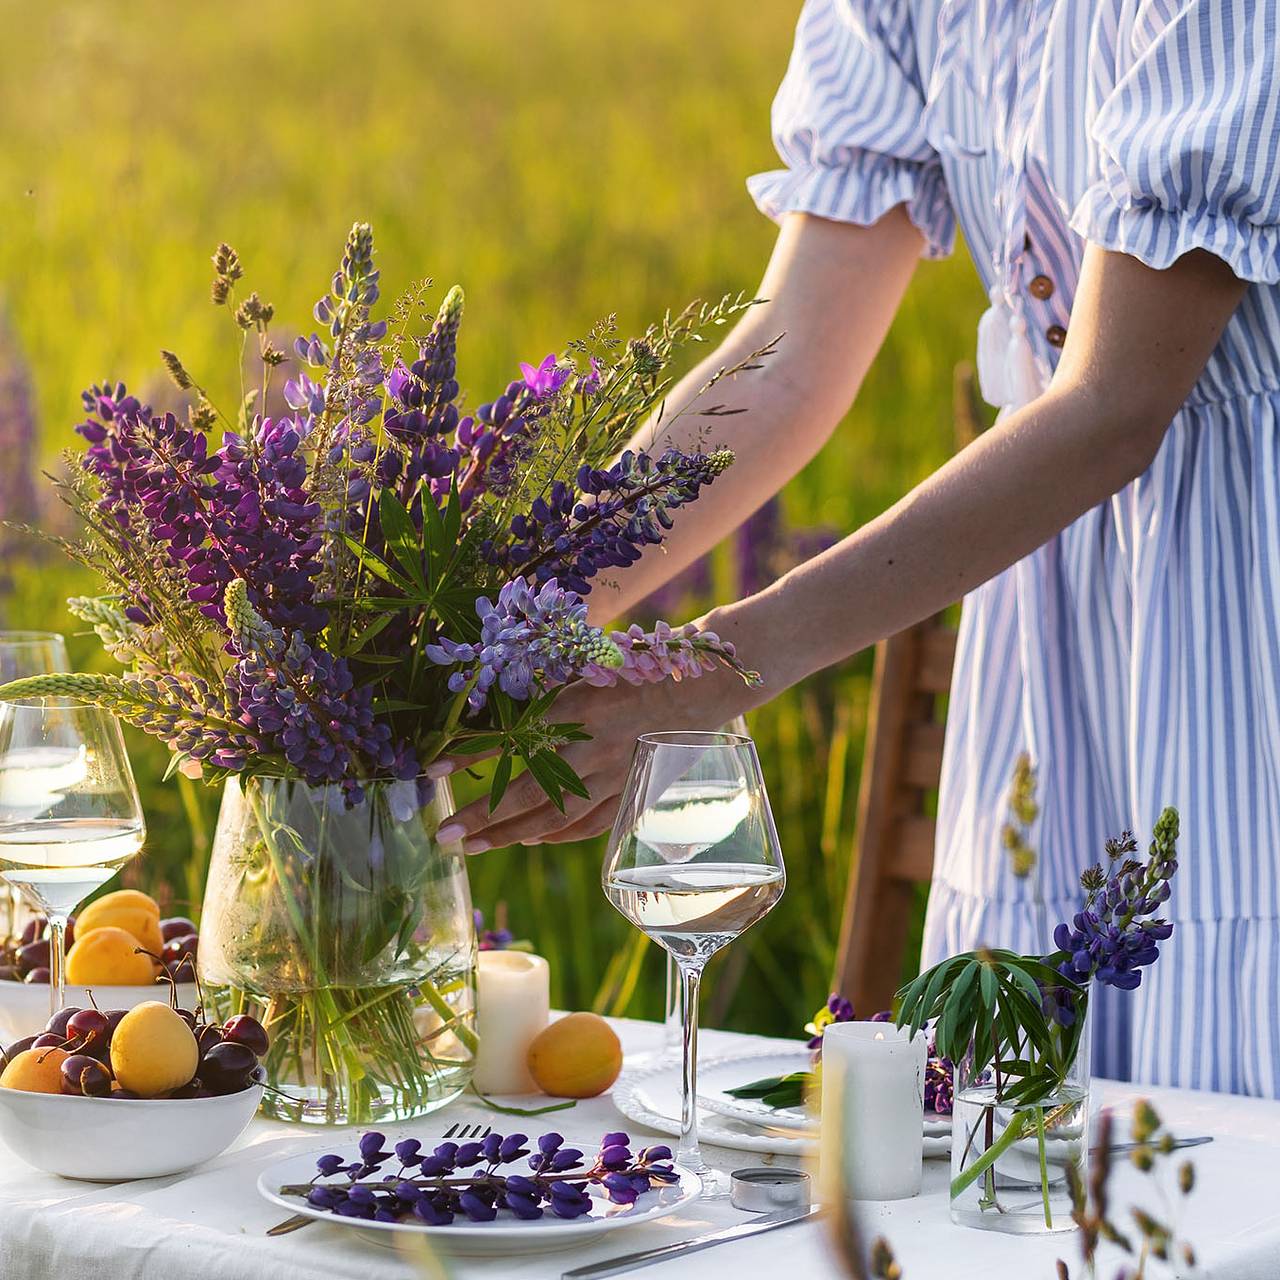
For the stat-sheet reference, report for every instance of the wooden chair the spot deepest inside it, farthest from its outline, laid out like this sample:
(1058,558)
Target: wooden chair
(901,767)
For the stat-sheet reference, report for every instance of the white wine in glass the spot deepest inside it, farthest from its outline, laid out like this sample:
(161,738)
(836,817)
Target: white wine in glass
(694,861)
(22,654)
(70,816)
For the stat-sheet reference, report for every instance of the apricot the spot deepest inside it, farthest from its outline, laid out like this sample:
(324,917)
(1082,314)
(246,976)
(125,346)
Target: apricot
(126,909)
(35,1071)
(577,1056)
(109,957)
(153,1050)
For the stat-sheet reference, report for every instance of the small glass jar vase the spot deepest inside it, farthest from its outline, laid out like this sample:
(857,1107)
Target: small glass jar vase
(335,918)
(1011,1159)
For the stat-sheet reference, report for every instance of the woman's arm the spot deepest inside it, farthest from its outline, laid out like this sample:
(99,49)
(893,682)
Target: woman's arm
(833,289)
(1138,341)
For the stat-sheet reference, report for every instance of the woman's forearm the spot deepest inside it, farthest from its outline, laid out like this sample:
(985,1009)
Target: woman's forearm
(832,290)
(1139,340)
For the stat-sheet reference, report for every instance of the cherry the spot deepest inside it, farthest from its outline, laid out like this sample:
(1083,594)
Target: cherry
(208,1037)
(48,1041)
(90,1031)
(248,1031)
(176,927)
(82,1074)
(19,1046)
(176,949)
(38,975)
(10,973)
(226,1067)
(58,1023)
(35,955)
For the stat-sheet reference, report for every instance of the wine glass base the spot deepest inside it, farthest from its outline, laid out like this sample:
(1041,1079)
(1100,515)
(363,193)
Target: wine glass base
(715,1184)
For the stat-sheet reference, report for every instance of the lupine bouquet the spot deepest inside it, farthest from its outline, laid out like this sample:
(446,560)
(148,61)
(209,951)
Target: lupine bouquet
(317,602)
(380,574)
(1016,1023)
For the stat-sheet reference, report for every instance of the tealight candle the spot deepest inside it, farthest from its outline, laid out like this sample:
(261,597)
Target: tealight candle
(872,1111)
(513,1003)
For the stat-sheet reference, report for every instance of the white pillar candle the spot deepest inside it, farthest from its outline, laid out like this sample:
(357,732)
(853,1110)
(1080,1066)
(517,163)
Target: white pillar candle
(872,1111)
(513,1003)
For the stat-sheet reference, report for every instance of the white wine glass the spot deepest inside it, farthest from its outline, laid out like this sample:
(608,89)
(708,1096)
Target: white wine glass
(693,862)
(673,999)
(22,654)
(70,816)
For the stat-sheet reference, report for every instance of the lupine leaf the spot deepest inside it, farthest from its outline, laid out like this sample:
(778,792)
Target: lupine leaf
(401,536)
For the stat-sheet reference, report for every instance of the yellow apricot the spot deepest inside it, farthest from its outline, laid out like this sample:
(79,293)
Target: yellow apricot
(35,1071)
(125,909)
(153,1050)
(577,1056)
(108,957)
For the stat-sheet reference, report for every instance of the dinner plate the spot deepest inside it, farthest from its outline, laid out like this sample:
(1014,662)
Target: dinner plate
(505,1235)
(651,1096)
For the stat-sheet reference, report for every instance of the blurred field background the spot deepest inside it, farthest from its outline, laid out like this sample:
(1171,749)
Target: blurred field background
(559,160)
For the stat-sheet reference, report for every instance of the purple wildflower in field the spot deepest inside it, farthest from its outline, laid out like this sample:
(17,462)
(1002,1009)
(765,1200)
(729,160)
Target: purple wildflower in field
(17,444)
(529,639)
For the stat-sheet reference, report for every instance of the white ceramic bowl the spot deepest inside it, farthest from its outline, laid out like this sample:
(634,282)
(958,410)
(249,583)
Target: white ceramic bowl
(108,1140)
(24,1006)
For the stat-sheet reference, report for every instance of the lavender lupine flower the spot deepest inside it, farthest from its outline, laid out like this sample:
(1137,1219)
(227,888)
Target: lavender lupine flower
(529,641)
(1115,936)
(494,440)
(939,1084)
(678,653)
(622,510)
(303,702)
(491,939)
(837,1009)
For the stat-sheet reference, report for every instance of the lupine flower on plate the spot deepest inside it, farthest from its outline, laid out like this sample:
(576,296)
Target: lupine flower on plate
(498,1177)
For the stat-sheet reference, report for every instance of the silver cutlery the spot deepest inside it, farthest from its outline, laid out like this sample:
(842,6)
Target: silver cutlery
(647,1257)
(459,1132)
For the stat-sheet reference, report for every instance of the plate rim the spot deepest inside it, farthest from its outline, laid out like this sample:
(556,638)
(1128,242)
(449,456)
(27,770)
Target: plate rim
(690,1185)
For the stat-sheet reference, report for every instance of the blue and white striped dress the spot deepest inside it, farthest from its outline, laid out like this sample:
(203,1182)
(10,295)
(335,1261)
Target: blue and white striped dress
(1136,656)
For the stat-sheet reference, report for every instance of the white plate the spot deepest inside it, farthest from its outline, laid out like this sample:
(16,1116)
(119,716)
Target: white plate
(507,1234)
(651,1096)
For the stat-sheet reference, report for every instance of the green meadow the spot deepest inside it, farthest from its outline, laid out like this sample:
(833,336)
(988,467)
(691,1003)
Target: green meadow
(562,161)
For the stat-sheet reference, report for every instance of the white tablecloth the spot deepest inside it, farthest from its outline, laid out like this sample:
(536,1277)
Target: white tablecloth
(210,1224)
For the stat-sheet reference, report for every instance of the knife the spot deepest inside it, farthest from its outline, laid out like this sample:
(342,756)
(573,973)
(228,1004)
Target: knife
(646,1257)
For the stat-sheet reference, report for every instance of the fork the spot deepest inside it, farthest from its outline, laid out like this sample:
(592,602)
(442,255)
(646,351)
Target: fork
(460,1132)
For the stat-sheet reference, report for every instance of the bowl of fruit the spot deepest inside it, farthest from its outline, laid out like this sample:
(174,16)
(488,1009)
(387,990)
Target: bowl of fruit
(118,947)
(108,1095)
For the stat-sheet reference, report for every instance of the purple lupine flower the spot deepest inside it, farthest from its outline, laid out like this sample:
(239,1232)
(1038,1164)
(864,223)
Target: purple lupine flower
(545,379)
(678,653)
(242,512)
(529,641)
(303,703)
(1116,935)
(588,384)
(939,1085)
(622,510)
(491,939)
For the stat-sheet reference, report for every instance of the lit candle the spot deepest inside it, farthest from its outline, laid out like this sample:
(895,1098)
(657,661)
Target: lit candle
(513,1002)
(872,1111)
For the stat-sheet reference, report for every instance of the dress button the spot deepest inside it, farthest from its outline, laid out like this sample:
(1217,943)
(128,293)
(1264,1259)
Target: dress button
(1041,287)
(1056,335)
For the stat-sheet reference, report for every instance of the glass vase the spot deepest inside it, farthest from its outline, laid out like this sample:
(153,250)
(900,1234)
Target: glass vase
(1011,1160)
(347,930)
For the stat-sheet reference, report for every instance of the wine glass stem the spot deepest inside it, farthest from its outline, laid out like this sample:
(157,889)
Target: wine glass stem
(689,1154)
(673,1021)
(57,962)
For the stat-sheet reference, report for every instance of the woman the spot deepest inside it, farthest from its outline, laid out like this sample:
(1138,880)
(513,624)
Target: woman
(1111,165)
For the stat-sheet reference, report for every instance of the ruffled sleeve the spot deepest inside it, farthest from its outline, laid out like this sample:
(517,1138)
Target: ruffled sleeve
(848,124)
(1187,153)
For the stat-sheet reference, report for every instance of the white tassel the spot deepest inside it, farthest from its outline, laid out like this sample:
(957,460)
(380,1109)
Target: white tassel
(993,350)
(1023,380)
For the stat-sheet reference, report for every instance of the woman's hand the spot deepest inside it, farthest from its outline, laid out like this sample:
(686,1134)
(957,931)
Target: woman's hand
(614,718)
